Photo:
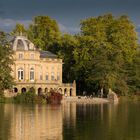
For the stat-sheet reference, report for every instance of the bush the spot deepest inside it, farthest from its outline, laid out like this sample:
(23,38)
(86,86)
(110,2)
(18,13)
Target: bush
(54,97)
(27,97)
(40,100)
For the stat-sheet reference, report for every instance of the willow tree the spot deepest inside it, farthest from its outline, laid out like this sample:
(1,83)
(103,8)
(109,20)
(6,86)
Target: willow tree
(44,32)
(107,43)
(6,80)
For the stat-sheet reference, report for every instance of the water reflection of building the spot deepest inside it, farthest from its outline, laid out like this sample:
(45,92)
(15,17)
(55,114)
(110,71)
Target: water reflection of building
(36,123)
(42,122)
(69,113)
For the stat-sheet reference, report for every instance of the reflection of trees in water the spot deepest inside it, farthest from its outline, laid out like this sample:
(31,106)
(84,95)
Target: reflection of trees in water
(91,121)
(104,122)
(5,121)
(69,114)
(70,121)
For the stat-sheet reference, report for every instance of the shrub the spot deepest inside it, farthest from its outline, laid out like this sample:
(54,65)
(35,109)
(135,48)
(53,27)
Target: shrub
(27,97)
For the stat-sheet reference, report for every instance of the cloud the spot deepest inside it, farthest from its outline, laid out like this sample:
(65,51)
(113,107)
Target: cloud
(138,26)
(9,24)
(66,29)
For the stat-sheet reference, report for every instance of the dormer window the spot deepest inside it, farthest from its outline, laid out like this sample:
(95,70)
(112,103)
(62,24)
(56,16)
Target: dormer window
(20,45)
(31,46)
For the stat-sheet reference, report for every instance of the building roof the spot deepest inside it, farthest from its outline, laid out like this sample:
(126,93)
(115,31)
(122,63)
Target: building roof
(47,54)
(21,43)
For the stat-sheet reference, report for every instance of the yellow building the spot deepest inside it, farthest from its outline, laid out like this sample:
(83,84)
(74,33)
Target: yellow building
(37,69)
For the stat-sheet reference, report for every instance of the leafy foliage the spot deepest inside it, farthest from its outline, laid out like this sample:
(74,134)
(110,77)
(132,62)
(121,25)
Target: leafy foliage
(44,32)
(28,97)
(66,50)
(104,54)
(19,30)
(133,72)
(6,80)
(106,45)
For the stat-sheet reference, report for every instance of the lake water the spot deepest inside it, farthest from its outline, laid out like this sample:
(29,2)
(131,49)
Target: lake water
(70,121)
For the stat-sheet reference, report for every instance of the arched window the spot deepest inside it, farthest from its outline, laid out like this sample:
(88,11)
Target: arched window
(15,90)
(20,74)
(23,90)
(46,90)
(20,45)
(32,74)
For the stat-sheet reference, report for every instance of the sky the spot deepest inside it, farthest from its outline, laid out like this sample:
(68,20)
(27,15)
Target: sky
(67,13)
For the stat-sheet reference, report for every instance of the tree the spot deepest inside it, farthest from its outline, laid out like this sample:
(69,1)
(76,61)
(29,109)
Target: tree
(83,56)
(66,49)
(6,80)
(117,33)
(19,30)
(133,72)
(44,32)
(106,43)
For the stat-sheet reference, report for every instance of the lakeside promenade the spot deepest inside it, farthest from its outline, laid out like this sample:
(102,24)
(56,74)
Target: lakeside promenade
(83,99)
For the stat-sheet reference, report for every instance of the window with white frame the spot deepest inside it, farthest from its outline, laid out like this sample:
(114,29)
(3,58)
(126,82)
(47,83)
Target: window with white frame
(32,74)
(20,74)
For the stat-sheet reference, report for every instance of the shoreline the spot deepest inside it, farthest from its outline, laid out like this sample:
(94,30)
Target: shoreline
(81,99)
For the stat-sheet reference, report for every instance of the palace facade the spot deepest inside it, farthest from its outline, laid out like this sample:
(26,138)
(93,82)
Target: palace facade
(38,70)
